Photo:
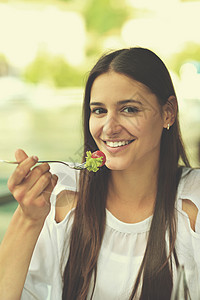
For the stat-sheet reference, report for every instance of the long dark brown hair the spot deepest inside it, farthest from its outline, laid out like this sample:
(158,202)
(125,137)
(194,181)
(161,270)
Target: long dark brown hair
(89,216)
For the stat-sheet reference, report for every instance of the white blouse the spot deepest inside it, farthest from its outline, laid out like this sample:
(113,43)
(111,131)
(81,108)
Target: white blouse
(122,249)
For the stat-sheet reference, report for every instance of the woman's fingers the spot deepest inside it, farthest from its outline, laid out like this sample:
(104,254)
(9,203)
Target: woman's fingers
(41,184)
(21,172)
(46,193)
(32,186)
(35,174)
(20,155)
(37,206)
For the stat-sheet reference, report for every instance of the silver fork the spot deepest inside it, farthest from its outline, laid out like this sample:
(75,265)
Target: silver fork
(75,166)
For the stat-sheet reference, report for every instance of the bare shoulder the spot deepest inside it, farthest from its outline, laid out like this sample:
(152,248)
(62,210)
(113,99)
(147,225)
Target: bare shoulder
(191,210)
(65,201)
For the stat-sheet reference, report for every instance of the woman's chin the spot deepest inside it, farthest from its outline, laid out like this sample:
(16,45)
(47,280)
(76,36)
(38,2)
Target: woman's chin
(116,166)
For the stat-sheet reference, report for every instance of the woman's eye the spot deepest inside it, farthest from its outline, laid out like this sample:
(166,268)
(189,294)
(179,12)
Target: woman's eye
(98,111)
(130,109)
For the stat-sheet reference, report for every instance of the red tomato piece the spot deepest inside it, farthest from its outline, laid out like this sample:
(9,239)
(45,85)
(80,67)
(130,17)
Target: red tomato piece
(98,154)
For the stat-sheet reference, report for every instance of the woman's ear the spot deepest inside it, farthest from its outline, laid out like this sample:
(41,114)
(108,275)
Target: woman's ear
(170,112)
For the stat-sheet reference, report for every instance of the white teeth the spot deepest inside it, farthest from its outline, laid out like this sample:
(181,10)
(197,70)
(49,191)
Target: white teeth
(117,144)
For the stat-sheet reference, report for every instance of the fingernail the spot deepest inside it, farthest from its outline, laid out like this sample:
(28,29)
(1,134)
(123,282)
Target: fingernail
(35,157)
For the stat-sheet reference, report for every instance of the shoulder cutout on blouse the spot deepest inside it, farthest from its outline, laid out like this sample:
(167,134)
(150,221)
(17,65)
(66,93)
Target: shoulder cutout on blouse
(191,210)
(190,195)
(65,201)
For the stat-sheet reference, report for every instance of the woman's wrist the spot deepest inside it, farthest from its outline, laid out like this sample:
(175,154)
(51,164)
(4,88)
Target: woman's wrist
(27,222)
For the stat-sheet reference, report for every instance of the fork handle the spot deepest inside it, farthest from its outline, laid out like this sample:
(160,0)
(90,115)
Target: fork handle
(39,161)
(76,167)
(52,161)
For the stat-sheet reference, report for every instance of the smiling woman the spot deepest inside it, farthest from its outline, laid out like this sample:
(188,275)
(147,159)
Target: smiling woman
(119,120)
(124,230)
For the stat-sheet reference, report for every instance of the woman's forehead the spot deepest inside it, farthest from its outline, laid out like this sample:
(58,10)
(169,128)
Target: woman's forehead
(118,86)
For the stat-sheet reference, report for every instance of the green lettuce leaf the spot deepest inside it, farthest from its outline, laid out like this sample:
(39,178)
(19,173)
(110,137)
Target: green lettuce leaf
(92,164)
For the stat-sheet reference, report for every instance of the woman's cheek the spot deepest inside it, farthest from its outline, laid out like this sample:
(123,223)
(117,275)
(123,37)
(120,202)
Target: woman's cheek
(134,125)
(94,127)
(91,126)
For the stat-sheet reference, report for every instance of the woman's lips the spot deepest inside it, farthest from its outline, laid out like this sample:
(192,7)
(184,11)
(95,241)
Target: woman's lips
(116,147)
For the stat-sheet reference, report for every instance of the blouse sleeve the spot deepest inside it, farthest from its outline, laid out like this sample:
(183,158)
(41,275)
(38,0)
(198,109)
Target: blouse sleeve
(43,281)
(191,191)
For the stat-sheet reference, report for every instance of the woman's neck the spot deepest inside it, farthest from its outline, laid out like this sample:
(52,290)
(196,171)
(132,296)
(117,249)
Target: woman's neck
(132,193)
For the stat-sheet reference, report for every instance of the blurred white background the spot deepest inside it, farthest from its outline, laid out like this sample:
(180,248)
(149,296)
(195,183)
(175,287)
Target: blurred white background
(46,50)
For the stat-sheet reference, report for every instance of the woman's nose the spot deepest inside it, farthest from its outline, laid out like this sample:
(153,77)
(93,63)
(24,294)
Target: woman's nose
(111,126)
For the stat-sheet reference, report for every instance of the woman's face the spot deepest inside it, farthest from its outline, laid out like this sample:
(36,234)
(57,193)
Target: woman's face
(126,121)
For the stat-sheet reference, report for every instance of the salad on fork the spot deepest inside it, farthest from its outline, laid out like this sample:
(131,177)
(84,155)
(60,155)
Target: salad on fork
(93,161)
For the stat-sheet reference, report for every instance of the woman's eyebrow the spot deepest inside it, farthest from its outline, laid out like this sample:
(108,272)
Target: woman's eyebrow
(128,101)
(97,103)
(120,102)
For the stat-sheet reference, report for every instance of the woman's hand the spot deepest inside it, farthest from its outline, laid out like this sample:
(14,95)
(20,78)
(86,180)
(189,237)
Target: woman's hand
(32,187)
